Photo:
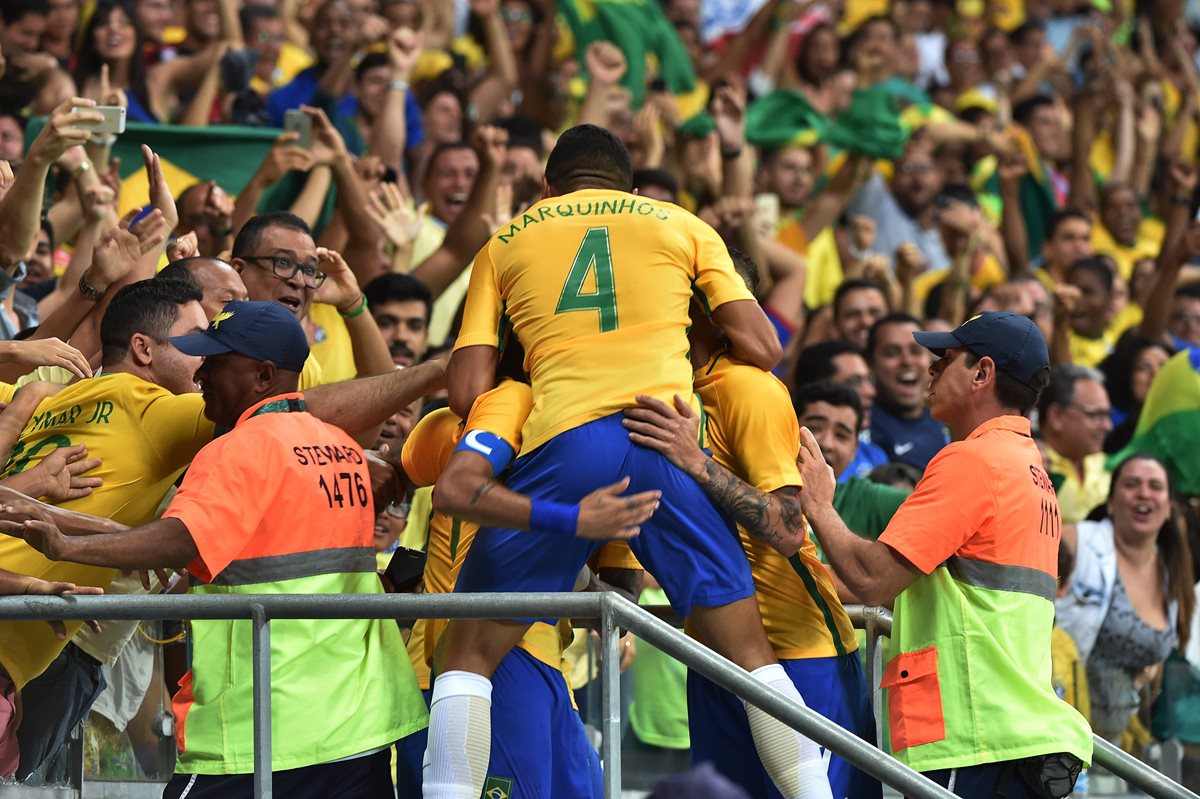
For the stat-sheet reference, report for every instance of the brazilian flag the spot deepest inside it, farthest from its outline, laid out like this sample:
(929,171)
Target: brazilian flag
(1169,425)
(228,154)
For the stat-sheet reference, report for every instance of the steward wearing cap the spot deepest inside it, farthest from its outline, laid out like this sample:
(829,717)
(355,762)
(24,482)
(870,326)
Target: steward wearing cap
(970,560)
(280,504)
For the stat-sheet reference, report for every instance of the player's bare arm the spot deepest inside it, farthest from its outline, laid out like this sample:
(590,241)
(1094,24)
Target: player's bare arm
(774,518)
(467,489)
(472,372)
(750,333)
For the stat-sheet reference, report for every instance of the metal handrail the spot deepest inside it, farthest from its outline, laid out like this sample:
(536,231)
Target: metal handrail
(613,611)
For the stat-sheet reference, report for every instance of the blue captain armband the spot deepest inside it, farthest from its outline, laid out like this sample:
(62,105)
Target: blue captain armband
(492,447)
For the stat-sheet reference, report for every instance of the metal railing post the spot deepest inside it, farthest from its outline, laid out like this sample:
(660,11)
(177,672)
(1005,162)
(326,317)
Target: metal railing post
(262,701)
(871,622)
(610,698)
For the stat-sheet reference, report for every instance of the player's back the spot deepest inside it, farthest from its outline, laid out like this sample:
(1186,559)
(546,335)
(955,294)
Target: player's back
(596,284)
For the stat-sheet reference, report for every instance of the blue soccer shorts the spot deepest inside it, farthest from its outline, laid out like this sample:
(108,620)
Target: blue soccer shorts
(688,545)
(540,749)
(833,686)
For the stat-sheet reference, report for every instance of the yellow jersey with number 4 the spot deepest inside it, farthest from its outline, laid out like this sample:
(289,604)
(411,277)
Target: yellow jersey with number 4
(596,285)
(145,437)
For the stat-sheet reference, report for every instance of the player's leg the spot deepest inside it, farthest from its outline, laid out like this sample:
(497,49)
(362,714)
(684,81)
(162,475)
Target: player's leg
(792,760)
(460,712)
(720,733)
(503,560)
(696,556)
(836,688)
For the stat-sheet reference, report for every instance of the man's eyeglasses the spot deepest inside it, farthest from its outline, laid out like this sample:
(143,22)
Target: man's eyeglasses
(1095,415)
(286,269)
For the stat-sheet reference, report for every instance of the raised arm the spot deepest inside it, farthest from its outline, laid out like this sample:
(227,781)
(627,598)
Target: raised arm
(827,206)
(21,208)
(502,76)
(1012,168)
(1173,254)
(389,134)
(470,230)
(341,290)
(283,157)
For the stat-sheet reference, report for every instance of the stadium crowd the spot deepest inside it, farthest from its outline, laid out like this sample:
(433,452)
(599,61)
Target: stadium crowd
(225,363)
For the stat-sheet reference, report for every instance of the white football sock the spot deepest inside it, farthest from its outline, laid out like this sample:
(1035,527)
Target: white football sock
(793,762)
(460,736)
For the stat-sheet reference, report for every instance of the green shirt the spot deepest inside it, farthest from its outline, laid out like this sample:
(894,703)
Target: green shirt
(658,714)
(865,506)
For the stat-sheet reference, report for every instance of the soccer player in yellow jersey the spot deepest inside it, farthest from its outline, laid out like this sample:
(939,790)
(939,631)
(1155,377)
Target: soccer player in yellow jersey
(595,284)
(754,438)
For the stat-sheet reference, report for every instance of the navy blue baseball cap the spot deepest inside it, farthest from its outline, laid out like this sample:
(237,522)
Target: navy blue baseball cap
(264,331)
(1011,340)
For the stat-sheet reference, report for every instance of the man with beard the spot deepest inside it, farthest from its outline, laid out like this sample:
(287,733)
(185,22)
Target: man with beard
(900,422)
(401,305)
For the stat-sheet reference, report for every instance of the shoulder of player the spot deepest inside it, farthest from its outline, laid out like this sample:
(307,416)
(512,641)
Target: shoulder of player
(738,381)
(509,395)
(440,423)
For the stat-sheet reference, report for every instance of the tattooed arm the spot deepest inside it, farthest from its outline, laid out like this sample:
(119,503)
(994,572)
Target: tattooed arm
(773,518)
(467,489)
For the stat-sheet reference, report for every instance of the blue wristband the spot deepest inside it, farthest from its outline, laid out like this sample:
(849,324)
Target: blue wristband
(553,517)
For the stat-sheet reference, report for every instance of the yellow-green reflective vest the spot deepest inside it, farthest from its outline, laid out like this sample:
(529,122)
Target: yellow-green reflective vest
(339,687)
(969,678)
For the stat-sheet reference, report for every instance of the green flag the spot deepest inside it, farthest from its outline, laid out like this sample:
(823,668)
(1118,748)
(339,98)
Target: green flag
(641,30)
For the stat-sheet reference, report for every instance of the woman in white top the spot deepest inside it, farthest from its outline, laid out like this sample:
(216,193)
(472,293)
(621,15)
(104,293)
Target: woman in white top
(1130,598)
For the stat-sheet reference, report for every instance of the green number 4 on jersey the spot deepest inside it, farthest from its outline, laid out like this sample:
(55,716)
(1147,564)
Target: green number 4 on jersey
(595,255)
